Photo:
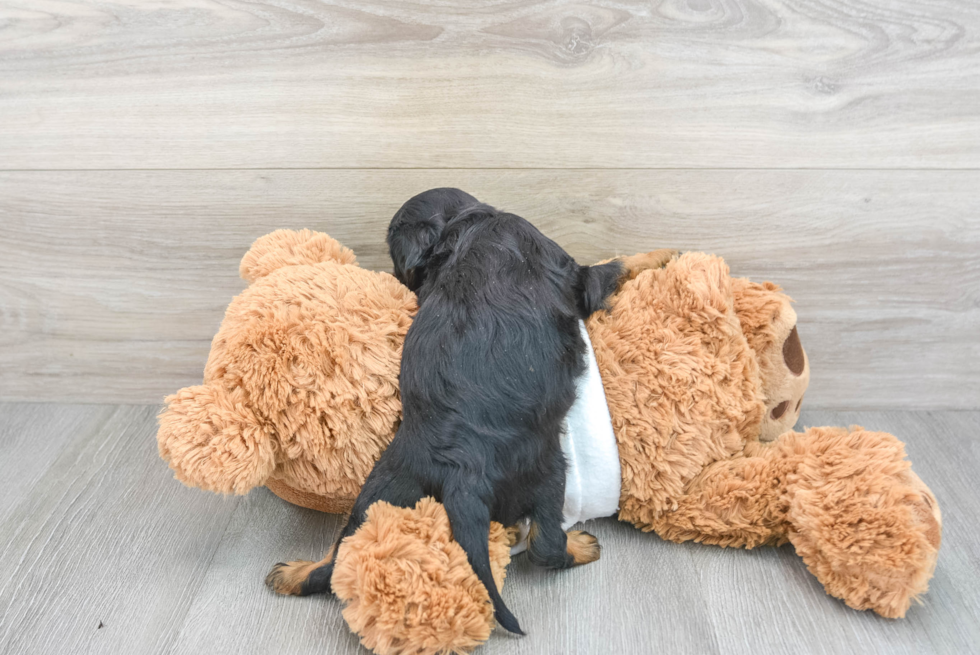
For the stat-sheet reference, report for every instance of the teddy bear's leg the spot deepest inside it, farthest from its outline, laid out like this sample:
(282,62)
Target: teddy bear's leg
(862,521)
(407,586)
(212,440)
(732,502)
(304,578)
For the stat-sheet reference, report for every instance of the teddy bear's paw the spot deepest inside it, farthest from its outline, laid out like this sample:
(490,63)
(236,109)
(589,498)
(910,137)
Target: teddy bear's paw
(213,440)
(925,510)
(583,547)
(863,521)
(892,588)
(408,587)
(900,575)
(636,264)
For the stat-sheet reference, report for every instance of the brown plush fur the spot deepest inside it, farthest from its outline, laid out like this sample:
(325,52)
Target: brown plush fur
(681,382)
(302,382)
(284,248)
(864,524)
(675,359)
(848,500)
(300,394)
(408,587)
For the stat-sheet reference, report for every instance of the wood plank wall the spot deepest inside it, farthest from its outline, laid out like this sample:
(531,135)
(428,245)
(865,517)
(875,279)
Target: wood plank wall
(832,147)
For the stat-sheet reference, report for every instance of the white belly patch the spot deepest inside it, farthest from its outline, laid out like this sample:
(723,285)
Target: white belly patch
(593,478)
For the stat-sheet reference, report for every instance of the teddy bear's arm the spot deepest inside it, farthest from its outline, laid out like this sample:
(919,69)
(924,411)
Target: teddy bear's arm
(633,265)
(862,521)
(212,440)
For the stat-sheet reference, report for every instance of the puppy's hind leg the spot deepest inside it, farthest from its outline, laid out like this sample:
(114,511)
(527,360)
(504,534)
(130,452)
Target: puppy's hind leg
(547,544)
(583,547)
(551,547)
(303,578)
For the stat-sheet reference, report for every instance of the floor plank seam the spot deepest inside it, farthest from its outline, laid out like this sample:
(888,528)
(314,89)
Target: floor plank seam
(869,169)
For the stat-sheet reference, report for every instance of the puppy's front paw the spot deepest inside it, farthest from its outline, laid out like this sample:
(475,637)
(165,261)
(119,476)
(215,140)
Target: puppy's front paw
(287,578)
(583,547)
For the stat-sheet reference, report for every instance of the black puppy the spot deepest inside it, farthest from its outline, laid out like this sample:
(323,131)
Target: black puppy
(487,376)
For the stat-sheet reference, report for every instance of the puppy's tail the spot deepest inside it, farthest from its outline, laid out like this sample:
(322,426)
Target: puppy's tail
(469,518)
(596,284)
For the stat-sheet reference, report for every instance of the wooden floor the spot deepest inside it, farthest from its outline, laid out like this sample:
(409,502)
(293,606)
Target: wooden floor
(101,551)
(831,146)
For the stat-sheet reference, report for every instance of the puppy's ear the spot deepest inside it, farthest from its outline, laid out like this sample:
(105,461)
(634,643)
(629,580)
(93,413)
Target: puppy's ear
(596,284)
(410,247)
(416,228)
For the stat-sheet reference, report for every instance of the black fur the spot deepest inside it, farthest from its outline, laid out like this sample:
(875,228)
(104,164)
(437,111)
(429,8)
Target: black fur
(487,376)
(417,226)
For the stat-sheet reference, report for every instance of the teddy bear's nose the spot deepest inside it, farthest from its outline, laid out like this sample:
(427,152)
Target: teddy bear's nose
(779,410)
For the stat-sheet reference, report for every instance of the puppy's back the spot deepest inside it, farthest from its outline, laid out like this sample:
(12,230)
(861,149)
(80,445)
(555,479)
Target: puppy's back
(496,337)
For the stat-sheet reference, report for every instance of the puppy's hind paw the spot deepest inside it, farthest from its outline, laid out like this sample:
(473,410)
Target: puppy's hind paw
(583,547)
(513,535)
(287,578)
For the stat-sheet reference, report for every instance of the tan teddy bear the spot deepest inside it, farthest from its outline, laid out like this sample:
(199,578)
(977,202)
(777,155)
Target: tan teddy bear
(702,375)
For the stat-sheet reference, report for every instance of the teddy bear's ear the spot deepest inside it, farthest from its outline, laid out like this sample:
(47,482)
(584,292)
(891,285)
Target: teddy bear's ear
(291,248)
(212,441)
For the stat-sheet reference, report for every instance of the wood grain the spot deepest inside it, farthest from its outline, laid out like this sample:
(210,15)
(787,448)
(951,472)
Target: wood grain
(103,533)
(376,83)
(112,283)
(253,619)
(104,552)
(32,438)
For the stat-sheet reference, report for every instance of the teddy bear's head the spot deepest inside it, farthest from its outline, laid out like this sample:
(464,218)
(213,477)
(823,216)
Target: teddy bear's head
(769,324)
(300,388)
